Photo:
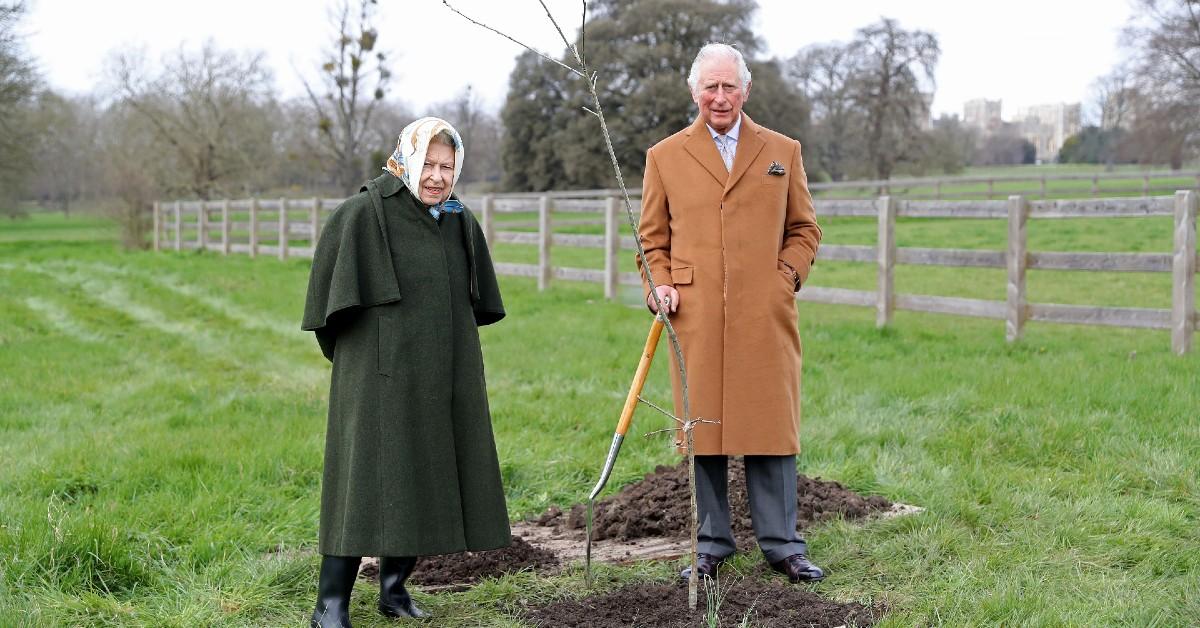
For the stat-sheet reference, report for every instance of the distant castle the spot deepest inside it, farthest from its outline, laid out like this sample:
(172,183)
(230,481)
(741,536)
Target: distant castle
(1045,126)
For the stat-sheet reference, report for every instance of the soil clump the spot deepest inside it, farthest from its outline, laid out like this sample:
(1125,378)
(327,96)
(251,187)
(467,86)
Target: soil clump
(657,506)
(762,603)
(466,568)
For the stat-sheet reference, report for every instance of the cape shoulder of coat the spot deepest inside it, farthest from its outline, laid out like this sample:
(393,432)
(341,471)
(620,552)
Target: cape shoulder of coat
(352,264)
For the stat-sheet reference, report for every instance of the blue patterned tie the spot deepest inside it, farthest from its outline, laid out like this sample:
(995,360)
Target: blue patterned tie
(725,147)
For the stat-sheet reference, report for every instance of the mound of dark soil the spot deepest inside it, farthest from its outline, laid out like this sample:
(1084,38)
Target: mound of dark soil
(471,567)
(763,603)
(658,506)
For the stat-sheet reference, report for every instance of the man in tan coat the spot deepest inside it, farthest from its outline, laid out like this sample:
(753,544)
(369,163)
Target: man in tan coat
(730,235)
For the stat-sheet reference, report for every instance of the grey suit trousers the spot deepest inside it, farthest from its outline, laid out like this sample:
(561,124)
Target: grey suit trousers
(771,488)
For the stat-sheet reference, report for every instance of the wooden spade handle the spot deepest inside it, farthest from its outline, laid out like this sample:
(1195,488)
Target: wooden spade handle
(639,377)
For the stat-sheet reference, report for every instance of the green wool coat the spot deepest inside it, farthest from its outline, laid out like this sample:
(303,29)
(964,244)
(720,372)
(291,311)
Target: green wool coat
(395,298)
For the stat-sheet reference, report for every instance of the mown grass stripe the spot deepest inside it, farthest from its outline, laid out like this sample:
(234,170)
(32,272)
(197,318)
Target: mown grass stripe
(118,296)
(57,316)
(183,287)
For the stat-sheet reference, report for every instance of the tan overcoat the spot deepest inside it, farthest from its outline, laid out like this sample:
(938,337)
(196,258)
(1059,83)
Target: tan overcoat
(721,238)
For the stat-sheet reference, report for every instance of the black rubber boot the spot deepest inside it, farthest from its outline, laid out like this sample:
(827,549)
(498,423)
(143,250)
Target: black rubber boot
(333,591)
(394,600)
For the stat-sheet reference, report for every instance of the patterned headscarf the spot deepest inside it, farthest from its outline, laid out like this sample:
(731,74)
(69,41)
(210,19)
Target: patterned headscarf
(409,158)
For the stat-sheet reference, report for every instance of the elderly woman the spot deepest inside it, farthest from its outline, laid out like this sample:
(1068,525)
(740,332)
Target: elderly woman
(401,278)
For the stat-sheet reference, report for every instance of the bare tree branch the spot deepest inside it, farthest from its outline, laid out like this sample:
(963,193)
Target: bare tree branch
(582,30)
(687,426)
(527,47)
(566,43)
(664,412)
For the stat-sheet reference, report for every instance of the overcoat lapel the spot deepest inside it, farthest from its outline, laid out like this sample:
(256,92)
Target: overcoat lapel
(749,146)
(702,148)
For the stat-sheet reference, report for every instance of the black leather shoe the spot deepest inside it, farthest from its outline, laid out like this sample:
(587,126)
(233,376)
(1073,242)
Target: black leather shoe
(394,600)
(798,569)
(333,592)
(706,565)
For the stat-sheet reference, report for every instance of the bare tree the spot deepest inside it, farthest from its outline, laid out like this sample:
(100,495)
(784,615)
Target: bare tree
(480,131)
(18,82)
(390,117)
(64,128)
(1166,35)
(870,103)
(889,64)
(1164,38)
(948,146)
(302,161)
(214,111)
(1003,147)
(1113,98)
(355,79)
(299,160)
(128,145)
(823,73)
(1164,130)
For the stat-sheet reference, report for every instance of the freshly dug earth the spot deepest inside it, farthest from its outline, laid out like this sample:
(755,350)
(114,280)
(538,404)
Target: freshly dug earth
(658,506)
(472,567)
(763,603)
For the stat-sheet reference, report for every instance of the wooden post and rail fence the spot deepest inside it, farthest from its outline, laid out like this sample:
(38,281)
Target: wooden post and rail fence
(998,187)
(288,227)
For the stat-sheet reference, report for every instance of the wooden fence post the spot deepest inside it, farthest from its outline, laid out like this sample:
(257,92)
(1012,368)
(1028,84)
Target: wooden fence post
(937,190)
(225,228)
(283,229)
(1095,186)
(1146,185)
(178,225)
(885,295)
(1183,286)
(157,225)
(1017,260)
(991,187)
(489,222)
(544,237)
(202,226)
(1043,187)
(254,227)
(612,247)
(314,221)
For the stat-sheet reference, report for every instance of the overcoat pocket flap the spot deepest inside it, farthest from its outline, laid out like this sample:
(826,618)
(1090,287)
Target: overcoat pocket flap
(681,275)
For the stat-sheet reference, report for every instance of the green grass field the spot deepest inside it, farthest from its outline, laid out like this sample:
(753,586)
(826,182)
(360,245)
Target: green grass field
(162,418)
(56,227)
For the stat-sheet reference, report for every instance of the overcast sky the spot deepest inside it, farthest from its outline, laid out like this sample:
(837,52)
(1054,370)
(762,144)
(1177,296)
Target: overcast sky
(1024,52)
